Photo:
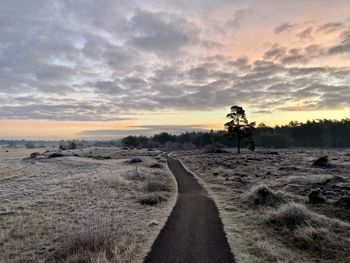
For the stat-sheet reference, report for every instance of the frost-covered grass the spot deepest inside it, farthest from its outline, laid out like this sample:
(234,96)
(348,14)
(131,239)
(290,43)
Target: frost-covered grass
(259,193)
(47,205)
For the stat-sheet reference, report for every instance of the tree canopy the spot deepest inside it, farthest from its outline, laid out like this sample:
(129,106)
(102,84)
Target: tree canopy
(239,128)
(315,133)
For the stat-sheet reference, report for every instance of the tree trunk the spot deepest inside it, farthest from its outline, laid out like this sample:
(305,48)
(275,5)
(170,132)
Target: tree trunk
(238,144)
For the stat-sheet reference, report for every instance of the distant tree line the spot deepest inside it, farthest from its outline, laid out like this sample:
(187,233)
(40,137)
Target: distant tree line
(316,133)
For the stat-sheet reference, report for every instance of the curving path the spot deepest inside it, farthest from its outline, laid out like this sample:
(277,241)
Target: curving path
(194,232)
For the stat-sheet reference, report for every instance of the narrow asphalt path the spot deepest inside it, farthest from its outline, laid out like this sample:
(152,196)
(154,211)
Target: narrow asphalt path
(194,232)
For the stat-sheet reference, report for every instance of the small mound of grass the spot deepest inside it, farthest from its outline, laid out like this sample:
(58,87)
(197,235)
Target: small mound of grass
(343,202)
(55,155)
(134,160)
(34,155)
(153,198)
(157,186)
(156,166)
(293,215)
(322,162)
(316,197)
(96,242)
(322,237)
(112,181)
(135,175)
(262,195)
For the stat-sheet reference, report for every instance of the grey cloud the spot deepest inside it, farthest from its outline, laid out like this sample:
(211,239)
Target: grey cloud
(134,83)
(275,53)
(60,112)
(305,34)
(102,60)
(343,46)
(294,55)
(284,27)
(240,63)
(239,15)
(108,87)
(330,27)
(55,73)
(156,32)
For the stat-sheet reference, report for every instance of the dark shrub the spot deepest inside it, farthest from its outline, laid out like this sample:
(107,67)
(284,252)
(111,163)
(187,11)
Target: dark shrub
(156,166)
(322,162)
(55,155)
(135,160)
(316,196)
(153,198)
(34,155)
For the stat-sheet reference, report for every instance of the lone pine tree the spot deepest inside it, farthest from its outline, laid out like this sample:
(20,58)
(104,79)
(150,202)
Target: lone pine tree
(239,128)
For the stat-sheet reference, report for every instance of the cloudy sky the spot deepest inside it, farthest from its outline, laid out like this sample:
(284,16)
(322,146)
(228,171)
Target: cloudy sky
(101,68)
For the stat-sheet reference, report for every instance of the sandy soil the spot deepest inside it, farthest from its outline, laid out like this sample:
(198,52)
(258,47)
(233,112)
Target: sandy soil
(289,175)
(45,201)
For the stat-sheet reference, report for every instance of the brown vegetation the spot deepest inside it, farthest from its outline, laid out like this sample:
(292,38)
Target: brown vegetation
(54,202)
(276,207)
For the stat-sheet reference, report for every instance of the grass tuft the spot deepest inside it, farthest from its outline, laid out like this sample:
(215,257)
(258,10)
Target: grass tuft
(299,227)
(262,195)
(316,197)
(153,198)
(97,242)
(153,185)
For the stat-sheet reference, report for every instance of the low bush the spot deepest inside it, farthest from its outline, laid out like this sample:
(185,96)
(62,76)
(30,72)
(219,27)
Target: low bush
(34,155)
(112,181)
(135,174)
(134,160)
(157,186)
(153,198)
(55,155)
(316,197)
(156,166)
(262,195)
(322,162)
(294,215)
(97,242)
(323,237)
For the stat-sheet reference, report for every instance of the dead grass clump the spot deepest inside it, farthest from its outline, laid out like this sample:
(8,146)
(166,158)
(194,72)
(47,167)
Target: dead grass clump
(153,185)
(97,242)
(321,236)
(275,252)
(135,175)
(153,198)
(262,195)
(112,181)
(316,197)
(55,155)
(156,166)
(21,230)
(322,162)
(343,202)
(294,215)
(134,160)
(34,155)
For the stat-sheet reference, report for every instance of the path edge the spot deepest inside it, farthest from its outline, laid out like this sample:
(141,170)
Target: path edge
(239,257)
(173,199)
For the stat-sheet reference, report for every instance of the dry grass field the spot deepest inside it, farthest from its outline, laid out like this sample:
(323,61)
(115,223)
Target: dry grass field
(91,205)
(276,206)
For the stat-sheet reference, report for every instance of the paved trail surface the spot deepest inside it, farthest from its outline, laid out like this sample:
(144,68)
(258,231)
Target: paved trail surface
(194,232)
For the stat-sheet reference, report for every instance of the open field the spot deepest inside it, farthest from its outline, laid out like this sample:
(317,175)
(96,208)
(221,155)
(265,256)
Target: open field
(263,199)
(99,204)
